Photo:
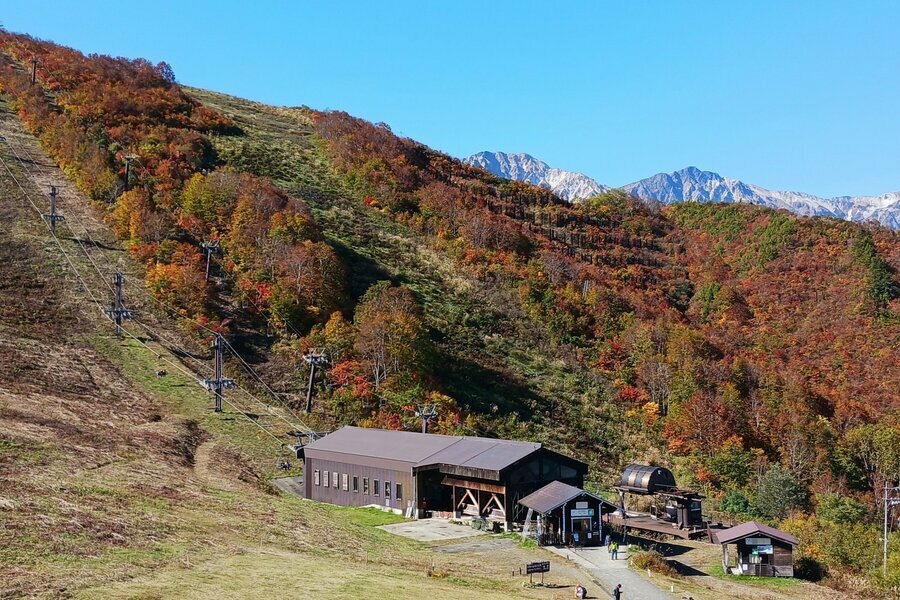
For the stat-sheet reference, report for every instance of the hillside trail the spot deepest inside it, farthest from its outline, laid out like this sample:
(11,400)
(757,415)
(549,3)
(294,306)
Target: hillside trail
(216,467)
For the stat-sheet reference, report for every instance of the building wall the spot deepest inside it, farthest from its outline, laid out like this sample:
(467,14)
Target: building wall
(534,473)
(782,558)
(348,497)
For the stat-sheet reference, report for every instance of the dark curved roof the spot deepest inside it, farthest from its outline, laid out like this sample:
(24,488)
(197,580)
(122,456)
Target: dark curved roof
(646,479)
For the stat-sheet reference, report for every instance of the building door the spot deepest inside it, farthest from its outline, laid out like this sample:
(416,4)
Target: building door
(581,528)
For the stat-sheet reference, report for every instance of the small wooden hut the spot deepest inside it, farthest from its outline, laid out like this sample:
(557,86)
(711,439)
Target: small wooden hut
(566,515)
(761,550)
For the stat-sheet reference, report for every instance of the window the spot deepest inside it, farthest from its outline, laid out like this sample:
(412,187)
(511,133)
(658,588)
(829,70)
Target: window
(325,476)
(366,486)
(334,478)
(399,491)
(387,490)
(356,484)
(376,482)
(317,480)
(344,479)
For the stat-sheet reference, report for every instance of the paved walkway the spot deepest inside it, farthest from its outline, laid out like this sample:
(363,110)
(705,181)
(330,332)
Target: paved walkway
(597,563)
(431,530)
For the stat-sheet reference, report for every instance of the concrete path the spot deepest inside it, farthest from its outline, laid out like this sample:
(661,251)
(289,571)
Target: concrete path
(431,530)
(291,485)
(597,563)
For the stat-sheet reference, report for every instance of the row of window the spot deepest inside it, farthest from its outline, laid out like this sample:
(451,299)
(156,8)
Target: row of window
(330,479)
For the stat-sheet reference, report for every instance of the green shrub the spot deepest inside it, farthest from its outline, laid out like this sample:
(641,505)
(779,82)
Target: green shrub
(735,503)
(839,509)
(808,568)
(778,493)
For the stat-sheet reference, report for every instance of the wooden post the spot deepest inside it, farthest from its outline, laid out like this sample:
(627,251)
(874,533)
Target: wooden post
(527,526)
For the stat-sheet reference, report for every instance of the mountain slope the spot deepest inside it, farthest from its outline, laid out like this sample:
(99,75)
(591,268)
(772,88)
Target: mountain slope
(721,340)
(568,185)
(693,185)
(116,478)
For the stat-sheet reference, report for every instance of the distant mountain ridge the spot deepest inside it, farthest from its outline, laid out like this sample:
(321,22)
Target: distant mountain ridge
(692,185)
(568,185)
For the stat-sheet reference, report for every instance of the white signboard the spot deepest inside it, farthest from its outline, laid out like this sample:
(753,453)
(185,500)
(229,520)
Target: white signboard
(581,505)
(582,512)
(758,541)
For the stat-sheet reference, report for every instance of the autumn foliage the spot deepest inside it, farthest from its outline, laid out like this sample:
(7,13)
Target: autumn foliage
(94,112)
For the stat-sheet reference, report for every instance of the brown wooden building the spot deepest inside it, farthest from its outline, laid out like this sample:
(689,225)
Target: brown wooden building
(566,515)
(760,550)
(421,474)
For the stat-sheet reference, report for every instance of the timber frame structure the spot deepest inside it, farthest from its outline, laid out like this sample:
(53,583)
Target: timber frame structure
(438,475)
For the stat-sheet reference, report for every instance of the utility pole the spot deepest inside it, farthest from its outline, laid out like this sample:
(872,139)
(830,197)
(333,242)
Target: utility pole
(209,248)
(118,312)
(313,358)
(219,383)
(33,71)
(426,412)
(889,502)
(128,159)
(52,217)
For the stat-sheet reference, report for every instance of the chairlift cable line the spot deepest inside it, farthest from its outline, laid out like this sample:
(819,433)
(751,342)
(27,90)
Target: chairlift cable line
(189,373)
(175,364)
(268,408)
(53,235)
(69,216)
(194,376)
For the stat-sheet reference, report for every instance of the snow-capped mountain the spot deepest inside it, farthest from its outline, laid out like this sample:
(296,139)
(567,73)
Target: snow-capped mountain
(693,185)
(568,185)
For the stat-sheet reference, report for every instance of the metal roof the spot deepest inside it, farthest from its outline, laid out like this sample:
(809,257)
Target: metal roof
(481,453)
(425,449)
(738,532)
(555,494)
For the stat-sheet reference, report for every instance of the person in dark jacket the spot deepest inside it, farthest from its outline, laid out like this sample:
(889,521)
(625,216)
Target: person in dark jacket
(617,592)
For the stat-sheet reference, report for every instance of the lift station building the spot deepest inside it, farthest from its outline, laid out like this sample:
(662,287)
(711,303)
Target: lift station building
(421,474)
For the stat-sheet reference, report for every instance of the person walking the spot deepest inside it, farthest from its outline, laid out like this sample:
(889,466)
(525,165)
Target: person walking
(614,550)
(617,592)
(606,542)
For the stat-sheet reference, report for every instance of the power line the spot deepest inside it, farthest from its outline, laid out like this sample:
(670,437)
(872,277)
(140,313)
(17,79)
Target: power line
(69,220)
(87,289)
(55,238)
(172,309)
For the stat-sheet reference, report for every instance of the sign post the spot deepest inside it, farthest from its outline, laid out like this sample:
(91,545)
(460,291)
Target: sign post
(537,567)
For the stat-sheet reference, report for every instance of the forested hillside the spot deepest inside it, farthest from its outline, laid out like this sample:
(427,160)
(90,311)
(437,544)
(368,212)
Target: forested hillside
(754,351)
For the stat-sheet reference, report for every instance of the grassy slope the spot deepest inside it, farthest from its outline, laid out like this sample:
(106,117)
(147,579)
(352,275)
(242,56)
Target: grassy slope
(117,483)
(494,355)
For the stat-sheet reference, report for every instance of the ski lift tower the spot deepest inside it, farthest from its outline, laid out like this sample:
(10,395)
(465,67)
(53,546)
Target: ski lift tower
(313,358)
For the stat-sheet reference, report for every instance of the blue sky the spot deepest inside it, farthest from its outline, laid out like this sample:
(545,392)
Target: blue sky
(788,95)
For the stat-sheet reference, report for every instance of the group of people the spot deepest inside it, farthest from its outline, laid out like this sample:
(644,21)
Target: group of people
(581,592)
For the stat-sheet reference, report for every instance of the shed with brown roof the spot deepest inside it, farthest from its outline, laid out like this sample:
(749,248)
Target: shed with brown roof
(566,515)
(761,550)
